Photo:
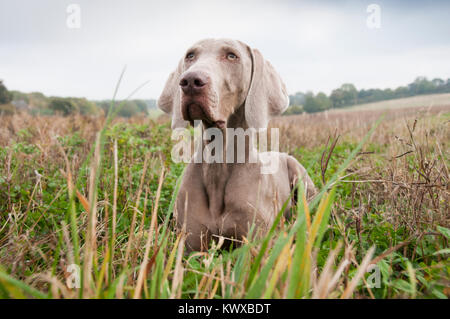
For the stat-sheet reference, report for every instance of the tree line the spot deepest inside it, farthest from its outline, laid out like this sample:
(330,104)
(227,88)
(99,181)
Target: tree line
(37,103)
(347,95)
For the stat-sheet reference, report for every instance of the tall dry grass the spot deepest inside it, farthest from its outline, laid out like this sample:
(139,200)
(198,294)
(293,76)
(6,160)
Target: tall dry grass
(114,220)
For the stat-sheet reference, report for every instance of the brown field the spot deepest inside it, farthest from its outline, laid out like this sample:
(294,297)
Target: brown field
(421,101)
(393,195)
(383,169)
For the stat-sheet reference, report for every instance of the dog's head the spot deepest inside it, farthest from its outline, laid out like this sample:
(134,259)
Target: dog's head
(217,76)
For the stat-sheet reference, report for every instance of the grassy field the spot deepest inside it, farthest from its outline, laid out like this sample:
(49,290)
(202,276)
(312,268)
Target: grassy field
(428,100)
(81,191)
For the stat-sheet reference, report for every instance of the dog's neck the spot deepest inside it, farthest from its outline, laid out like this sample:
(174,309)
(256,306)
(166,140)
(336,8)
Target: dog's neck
(216,175)
(236,145)
(237,119)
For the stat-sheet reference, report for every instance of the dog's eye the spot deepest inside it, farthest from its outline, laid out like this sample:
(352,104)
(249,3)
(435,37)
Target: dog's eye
(231,56)
(190,56)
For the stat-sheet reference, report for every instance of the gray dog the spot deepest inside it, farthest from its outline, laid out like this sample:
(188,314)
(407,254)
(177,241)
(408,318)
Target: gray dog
(226,84)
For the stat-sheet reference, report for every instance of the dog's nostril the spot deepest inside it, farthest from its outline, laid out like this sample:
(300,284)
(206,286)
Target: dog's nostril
(183,83)
(198,83)
(193,83)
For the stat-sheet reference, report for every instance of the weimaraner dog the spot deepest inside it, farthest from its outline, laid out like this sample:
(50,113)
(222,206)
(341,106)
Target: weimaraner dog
(226,84)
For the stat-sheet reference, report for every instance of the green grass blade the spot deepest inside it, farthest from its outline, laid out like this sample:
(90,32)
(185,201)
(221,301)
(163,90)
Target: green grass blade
(300,242)
(6,279)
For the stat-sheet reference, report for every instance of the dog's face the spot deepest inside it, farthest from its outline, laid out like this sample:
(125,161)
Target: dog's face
(215,81)
(217,76)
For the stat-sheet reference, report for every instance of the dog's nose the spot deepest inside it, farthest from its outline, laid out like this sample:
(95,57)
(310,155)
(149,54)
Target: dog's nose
(193,82)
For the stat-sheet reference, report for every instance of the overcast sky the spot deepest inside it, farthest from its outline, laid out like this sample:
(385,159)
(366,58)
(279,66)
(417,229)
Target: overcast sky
(314,45)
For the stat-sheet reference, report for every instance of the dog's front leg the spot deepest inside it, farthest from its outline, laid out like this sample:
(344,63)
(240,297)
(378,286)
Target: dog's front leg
(192,212)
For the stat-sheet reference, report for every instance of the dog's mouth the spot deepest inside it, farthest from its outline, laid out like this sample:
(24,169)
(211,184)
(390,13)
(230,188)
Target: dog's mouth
(195,111)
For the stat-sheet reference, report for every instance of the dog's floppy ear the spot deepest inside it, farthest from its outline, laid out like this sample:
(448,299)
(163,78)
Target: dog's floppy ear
(267,94)
(170,99)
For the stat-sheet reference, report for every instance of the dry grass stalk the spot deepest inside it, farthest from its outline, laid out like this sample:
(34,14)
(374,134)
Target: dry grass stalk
(145,263)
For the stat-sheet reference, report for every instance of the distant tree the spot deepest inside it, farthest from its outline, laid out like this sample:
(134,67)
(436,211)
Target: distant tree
(310,103)
(350,94)
(38,101)
(421,86)
(337,98)
(152,104)
(388,94)
(438,82)
(83,106)
(322,101)
(363,95)
(438,85)
(104,105)
(129,109)
(297,99)
(142,106)
(401,91)
(346,95)
(20,96)
(317,103)
(294,109)
(5,95)
(64,106)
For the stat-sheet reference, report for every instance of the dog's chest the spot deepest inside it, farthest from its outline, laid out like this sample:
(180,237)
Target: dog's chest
(240,197)
(253,199)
